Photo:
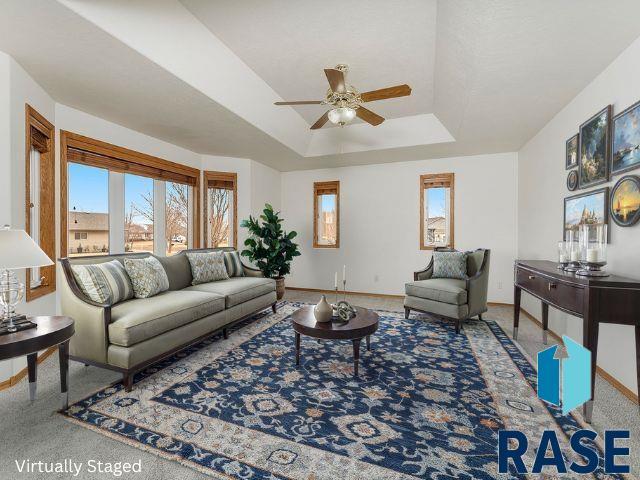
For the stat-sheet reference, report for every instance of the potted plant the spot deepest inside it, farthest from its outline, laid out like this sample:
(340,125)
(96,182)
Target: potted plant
(269,247)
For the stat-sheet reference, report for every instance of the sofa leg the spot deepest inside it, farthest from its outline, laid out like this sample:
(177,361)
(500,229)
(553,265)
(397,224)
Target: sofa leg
(458,326)
(406,312)
(127,381)
(479,316)
(225,333)
(273,307)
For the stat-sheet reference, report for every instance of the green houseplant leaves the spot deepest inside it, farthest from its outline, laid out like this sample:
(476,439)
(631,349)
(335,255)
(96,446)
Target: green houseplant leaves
(269,247)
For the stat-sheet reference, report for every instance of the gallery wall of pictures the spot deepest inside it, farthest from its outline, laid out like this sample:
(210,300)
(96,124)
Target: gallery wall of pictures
(604,147)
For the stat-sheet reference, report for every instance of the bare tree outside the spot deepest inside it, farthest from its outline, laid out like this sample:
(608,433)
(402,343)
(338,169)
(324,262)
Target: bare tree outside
(176,216)
(218,200)
(137,236)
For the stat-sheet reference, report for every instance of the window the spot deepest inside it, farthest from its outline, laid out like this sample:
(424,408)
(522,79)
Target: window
(436,210)
(138,214)
(40,199)
(177,221)
(88,215)
(139,202)
(221,209)
(326,214)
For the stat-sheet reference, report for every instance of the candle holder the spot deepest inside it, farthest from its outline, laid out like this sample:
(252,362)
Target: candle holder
(572,250)
(563,257)
(593,250)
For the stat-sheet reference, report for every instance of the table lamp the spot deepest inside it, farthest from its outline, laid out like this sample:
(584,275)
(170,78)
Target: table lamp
(17,250)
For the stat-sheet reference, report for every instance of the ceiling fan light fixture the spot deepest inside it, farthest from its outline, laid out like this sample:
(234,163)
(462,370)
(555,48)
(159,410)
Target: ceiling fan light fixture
(341,115)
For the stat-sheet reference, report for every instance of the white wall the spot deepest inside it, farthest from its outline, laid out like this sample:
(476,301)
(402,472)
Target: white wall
(6,368)
(379,221)
(542,188)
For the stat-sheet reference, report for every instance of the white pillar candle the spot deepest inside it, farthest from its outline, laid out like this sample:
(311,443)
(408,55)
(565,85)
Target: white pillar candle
(592,255)
(563,258)
(335,283)
(574,255)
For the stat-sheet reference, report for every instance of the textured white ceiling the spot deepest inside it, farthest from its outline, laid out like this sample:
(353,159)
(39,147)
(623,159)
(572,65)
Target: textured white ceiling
(289,43)
(492,71)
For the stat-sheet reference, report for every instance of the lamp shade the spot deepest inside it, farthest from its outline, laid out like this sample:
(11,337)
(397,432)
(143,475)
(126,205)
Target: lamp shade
(18,250)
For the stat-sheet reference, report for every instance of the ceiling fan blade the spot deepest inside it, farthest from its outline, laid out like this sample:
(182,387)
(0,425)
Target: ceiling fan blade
(301,102)
(368,116)
(321,121)
(384,93)
(336,79)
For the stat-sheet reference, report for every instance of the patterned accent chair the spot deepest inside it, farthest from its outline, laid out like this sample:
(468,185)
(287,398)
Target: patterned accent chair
(451,298)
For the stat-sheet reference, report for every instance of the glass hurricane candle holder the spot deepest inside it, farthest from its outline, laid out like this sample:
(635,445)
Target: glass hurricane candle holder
(573,252)
(563,257)
(593,250)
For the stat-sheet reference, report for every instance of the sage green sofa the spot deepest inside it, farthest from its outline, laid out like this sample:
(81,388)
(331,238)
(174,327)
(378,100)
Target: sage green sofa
(133,334)
(451,298)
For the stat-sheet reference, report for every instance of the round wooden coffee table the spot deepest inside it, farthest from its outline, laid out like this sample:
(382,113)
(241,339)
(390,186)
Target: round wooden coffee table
(361,326)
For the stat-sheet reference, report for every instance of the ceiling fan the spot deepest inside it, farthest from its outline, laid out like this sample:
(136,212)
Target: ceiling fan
(347,101)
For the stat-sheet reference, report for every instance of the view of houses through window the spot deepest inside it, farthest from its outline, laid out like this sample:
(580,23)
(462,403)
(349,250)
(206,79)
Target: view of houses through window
(88,217)
(436,211)
(326,214)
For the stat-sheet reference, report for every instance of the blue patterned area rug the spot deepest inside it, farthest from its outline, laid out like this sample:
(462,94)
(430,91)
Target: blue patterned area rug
(428,403)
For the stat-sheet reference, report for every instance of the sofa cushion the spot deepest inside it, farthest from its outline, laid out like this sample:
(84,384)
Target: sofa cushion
(147,276)
(237,290)
(449,264)
(207,267)
(234,264)
(445,290)
(143,318)
(178,270)
(106,283)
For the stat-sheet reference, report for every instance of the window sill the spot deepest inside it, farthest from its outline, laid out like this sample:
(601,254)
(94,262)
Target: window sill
(41,291)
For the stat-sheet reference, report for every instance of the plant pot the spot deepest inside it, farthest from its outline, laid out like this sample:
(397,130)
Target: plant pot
(279,287)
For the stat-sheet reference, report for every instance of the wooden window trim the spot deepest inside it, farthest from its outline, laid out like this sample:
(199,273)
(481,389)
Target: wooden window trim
(326,188)
(228,180)
(76,148)
(45,140)
(437,180)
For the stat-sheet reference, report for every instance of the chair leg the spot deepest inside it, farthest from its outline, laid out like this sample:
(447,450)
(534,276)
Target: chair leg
(457,325)
(479,316)
(406,312)
(273,307)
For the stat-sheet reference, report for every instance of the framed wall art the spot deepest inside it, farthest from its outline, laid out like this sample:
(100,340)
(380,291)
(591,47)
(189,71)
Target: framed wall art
(586,208)
(625,201)
(625,144)
(593,150)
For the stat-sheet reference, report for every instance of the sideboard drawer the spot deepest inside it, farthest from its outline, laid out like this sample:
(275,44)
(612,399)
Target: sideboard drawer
(555,292)
(532,282)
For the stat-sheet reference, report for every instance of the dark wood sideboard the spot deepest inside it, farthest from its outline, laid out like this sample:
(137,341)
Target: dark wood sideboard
(596,300)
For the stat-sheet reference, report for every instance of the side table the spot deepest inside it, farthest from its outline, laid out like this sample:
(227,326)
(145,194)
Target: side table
(50,331)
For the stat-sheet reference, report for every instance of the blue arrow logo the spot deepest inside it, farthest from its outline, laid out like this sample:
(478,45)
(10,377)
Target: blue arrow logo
(572,372)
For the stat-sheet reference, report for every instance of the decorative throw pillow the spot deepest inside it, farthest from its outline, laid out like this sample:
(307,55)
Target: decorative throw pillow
(450,265)
(147,276)
(207,267)
(233,264)
(106,283)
